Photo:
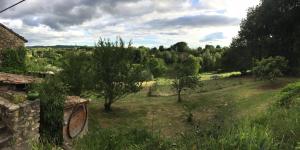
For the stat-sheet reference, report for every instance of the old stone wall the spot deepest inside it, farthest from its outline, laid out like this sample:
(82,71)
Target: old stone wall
(22,120)
(9,40)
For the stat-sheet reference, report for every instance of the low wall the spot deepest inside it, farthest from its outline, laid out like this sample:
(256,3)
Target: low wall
(21,119)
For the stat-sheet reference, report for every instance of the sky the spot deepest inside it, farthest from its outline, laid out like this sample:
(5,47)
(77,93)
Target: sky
(145,22)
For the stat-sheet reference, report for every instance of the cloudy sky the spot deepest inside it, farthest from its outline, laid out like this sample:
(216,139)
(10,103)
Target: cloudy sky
(145,22)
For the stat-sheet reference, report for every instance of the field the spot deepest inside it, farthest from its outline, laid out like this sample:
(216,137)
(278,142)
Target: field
(217,104)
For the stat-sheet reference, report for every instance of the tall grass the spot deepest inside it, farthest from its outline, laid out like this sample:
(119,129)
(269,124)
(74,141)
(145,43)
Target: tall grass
(129,139)
(278,128)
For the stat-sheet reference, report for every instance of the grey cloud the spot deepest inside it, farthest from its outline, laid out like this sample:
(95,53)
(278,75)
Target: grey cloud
(193,21)
(59,14)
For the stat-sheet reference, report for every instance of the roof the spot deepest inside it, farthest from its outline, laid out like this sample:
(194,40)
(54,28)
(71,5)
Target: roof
(7,78)
(74,100)
(11,31)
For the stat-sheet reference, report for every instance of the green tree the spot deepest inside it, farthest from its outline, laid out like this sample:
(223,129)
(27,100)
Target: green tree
(272,29)
(186,76)
(157,66)
(180,47)
(77,74)
(270,68)
(140,55)
(115,72)
(237,57)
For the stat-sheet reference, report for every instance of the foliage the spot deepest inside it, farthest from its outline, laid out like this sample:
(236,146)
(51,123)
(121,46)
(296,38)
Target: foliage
(236,58)
(131,139)
(146,75)
(180,47)
(242,136)
(44,60)
(140,55)
(186,76)
(188,67)
(52,94)
(115,72)
(288,94)
(78,75)
(157,67)
(211,57)
(271,29)
(278,128)
(13,60)
(270,68)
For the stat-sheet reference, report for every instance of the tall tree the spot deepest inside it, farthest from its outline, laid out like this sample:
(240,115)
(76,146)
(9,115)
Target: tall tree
(272,29)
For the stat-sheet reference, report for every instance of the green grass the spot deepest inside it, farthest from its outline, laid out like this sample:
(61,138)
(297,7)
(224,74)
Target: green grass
(217,105)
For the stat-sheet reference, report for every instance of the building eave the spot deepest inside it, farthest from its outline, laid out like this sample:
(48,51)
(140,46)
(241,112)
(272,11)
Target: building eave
(16,34)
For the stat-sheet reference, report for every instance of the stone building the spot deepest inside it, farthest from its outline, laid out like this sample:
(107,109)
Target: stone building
(10,39)
(20,114)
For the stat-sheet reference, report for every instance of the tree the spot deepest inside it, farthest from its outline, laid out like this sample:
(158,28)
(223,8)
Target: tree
(77,74)
(272,29)
(140,55)
(115,73)
(237,57)
(157,66)
(161,48)
(180,47)
(270,68)
(186,76)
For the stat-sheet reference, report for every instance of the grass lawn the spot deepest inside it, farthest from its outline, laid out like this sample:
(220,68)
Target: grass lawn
(226,98)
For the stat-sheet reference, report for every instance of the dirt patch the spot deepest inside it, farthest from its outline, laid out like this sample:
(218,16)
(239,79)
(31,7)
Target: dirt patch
(272,86)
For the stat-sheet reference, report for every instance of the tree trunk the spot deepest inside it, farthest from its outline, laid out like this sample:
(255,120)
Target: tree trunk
(179,96)
(107,106)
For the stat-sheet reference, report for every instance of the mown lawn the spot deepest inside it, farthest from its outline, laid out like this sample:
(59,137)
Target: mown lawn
(226,99)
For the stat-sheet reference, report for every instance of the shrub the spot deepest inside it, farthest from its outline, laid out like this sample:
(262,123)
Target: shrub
(157,67)
(288,94)
(52,95)
(270,68)
(13,60)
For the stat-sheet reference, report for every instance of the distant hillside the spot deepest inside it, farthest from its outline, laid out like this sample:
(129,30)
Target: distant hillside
(60,46)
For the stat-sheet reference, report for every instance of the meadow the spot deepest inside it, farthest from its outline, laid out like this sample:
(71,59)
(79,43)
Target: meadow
(214,108)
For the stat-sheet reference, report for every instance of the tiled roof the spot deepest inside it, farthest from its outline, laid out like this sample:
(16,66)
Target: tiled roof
(11,31)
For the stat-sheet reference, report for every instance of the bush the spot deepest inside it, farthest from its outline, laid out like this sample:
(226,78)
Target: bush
(13,60)
(288,94)
(157,67)
(52,95)
(270,68)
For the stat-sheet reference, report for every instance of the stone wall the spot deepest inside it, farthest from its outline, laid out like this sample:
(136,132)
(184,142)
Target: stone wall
(21,119)
(9,40)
